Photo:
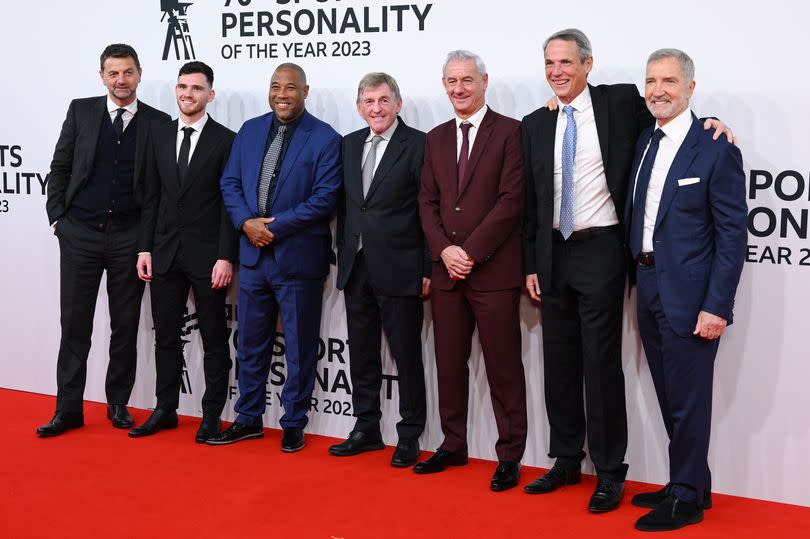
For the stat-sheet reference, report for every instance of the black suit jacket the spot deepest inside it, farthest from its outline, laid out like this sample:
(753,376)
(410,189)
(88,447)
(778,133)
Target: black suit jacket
(76,149)
(191,213)
(620,115)
(387,218)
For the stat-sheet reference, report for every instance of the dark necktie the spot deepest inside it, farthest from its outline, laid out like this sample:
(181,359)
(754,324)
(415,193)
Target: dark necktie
(269,170)
(118,123)
(182,157)
(464,155)
(640,195)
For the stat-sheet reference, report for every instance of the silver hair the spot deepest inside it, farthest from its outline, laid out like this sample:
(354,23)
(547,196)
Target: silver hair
(687,65)
(372,80)
(584,49)
(461,55)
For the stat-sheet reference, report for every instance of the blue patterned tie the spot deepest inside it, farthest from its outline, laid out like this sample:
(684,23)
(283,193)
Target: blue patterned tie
(569,151)
(640,195)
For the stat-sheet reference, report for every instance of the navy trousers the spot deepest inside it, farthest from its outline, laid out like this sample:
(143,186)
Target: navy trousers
(262,297)
(682,370)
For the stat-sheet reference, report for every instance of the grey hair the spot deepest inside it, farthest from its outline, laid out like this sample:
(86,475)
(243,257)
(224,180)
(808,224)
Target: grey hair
(293,67)
(372,80)
(687,65)
(461,55)
(584,49)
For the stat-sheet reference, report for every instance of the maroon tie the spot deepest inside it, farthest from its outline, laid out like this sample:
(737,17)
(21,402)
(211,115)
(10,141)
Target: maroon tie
(464,156)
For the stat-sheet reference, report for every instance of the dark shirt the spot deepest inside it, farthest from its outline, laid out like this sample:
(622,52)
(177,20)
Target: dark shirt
(288,135)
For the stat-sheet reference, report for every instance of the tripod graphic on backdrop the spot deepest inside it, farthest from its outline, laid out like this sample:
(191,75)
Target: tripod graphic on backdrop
(177,33)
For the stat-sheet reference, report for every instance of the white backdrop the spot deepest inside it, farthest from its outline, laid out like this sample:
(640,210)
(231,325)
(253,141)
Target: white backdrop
(749,73)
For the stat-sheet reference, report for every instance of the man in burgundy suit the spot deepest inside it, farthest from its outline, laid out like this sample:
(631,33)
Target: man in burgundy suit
(470,205)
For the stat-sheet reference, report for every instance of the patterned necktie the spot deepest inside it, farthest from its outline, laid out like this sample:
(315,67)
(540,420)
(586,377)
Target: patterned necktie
(569,151)
(182,157)
(640,195)
(269,169)
(118,123)
(368,164)
(464,155)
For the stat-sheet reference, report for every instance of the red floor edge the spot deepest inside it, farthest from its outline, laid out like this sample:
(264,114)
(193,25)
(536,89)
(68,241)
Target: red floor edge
(97,482)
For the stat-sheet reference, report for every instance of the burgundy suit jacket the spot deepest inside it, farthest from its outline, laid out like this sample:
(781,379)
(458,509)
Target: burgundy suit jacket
(484,218)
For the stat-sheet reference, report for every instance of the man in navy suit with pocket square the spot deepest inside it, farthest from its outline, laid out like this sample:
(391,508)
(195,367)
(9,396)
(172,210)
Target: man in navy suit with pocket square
(685,221)
(280,187)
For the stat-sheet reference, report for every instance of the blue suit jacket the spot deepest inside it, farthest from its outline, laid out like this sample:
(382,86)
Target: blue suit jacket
(303,201)
(700,232)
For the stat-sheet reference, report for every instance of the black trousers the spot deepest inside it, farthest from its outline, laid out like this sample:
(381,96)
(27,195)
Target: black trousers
(582,323)
(84,254)
(368,313)
(169,292)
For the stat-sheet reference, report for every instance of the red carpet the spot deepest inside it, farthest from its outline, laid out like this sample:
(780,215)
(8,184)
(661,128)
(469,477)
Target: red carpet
(97,482)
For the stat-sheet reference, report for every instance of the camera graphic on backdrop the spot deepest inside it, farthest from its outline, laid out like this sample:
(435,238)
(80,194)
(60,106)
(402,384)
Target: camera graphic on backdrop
(178,35)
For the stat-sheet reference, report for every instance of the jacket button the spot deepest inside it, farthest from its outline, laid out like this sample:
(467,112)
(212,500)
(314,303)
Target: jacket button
(362,208)
(457,209)
(453,233)
(180,205)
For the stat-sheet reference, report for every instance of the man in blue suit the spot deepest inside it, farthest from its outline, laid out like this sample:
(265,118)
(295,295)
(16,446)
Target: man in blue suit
(280,187)
(686,227)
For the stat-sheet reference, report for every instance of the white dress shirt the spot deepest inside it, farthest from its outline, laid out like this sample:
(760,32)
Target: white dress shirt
(129,111)
(195,136)
(475,120)
(592,203)
(381,146)
(674,133)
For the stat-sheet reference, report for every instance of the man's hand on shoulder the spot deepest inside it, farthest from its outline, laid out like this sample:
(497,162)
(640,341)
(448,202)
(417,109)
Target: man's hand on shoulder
(257,232)
(719,129)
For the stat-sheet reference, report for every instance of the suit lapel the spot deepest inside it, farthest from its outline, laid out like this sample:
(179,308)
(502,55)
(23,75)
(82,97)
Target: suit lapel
(166,142)
(601,114)
(98,114)
(628,206)
(481,139)
(299,140)
(393,150)
(686,154)
(449,157)
(547,134)
(140,141)
(353,165)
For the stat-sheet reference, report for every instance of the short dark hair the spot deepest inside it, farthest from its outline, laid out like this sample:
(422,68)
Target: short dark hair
(295,68)
(119,50)
(198,67)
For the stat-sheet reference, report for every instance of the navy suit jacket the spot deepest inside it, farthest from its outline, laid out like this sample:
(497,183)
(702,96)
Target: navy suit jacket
(700,231)
(302,203)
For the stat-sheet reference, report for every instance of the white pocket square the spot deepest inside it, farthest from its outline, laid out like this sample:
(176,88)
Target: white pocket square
(687,181)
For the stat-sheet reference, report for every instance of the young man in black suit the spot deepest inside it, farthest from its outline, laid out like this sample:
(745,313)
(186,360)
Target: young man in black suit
(383,266)
(95,192)
(187,241)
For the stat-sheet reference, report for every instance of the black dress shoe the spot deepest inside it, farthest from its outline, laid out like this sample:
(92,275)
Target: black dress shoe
(209,426)
(440,460)
(651,500)
(556,477)
(506,476)
(670,514)
(160,419)
(606,496)
(235,433)
(405,454)
(119,415)
(293,439)
(357,442)
(59,423)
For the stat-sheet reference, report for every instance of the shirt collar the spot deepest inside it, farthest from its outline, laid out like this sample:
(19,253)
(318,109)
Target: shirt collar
(580,103)
(290,125)
(197,126)
(677,128)
(387,134)
(475,119)
(112,107)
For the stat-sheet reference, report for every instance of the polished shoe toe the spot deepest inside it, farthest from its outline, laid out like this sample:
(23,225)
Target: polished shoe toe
(59,423)
(670,514)
(159,420)
(358,442)
(119,415)
(405,454)
(607,496)
(555,478)
(209,426)
(293,439)
(235,433)
(440,460)
(506,476)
